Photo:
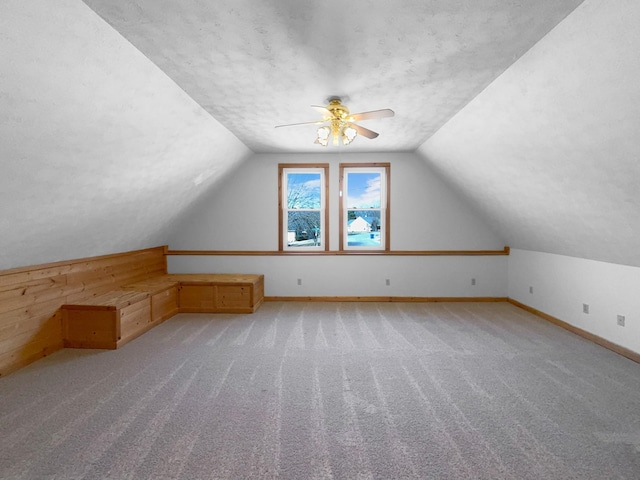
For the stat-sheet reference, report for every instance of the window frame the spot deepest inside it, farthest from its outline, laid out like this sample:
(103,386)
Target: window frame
(284,169)
(385,205)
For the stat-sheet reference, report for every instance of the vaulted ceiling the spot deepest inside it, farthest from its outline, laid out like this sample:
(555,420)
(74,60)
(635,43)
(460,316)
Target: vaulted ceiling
(116,115)
(256,64)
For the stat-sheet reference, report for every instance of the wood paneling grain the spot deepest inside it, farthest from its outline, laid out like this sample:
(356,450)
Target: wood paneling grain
(31,297)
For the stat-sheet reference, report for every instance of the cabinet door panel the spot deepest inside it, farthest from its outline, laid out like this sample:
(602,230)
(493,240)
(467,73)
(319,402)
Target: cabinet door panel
(134,320)
(230,297)
(197,298)
(164,304)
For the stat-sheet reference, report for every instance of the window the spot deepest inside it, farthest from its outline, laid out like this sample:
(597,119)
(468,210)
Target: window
(302,206)
(364,206)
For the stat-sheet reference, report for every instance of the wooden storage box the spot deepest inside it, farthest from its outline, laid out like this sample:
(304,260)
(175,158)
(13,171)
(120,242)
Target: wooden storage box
(107,321)
(164,297)
(220,293)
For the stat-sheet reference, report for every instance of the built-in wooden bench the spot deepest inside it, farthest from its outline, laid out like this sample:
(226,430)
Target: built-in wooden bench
(164,296)
(106,321)
(112,319)
(220,293)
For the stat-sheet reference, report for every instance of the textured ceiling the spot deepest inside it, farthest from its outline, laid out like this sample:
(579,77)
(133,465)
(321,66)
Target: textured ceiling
(528,109)
(549,152)
(256,64)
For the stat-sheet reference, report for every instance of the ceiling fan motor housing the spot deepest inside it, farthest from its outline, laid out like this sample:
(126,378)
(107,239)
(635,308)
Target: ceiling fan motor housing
(337,109)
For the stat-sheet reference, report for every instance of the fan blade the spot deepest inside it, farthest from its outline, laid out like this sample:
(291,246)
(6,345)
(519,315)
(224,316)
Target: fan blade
(323,110)
(317,122)
(385,112)
(365,132)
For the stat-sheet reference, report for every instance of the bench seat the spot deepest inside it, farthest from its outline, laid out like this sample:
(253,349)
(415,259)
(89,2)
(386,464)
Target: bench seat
(219,293)
(164,296)
(106,321)
(117,317)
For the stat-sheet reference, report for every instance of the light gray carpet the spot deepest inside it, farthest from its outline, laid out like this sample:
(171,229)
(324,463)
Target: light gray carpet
(329,390)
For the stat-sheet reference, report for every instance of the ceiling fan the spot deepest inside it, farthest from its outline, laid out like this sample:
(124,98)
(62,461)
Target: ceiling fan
(341,123)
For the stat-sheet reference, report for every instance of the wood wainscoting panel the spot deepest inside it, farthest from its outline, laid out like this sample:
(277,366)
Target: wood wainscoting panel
(31,298)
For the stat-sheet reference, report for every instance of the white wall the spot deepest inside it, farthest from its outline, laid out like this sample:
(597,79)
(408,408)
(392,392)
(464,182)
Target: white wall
(242,214)
(99,149)
(340,275)
(562,284)
(425,215)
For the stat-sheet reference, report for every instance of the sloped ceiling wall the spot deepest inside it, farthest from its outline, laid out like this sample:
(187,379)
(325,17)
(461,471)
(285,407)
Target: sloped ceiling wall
(99,150)
(254,64)
(550,151)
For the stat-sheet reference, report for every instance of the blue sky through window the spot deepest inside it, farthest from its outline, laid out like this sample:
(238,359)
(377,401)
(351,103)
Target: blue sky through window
(364,190)
(303,190)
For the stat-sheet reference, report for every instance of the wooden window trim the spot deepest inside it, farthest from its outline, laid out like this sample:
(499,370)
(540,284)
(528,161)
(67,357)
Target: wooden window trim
(387,218)
(325,233)
(270,253)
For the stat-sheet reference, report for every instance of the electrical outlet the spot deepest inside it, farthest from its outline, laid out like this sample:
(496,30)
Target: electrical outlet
(621,320)
(299,281)
(387,282)
(585,308)
(473,281)
(530,289)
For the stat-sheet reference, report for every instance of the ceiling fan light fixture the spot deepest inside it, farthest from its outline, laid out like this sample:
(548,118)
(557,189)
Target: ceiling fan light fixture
(348,134)
(323,136)
(341,123)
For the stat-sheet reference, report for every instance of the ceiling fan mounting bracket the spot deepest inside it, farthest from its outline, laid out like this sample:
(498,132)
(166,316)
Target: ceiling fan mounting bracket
(339,98)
